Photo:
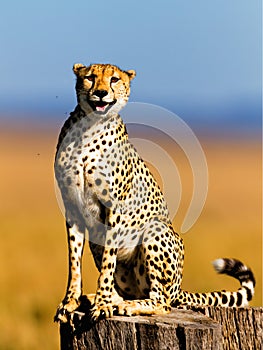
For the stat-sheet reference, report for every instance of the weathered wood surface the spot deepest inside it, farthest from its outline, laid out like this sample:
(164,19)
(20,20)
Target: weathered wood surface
(211,328)
(242,328)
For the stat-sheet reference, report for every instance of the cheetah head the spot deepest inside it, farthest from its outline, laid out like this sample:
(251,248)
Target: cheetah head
(102,87)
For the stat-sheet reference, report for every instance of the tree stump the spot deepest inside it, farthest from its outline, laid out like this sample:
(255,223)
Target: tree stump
(212,328)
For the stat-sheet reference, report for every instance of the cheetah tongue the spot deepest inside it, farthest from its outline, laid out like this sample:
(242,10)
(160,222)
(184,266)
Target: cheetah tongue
(101,106)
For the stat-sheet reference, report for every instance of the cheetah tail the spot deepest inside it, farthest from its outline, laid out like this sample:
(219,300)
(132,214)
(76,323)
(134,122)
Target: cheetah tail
(233,268)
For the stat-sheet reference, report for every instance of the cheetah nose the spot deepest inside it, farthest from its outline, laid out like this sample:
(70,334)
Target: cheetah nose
(100,93)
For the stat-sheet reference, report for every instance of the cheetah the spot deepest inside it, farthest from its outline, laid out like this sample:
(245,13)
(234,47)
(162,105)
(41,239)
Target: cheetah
(110,195)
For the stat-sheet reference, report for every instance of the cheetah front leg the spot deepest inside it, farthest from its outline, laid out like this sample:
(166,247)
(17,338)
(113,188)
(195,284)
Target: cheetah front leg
(106,297)
(70,303)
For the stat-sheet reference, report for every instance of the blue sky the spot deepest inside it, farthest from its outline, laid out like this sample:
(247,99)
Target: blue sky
(200,59)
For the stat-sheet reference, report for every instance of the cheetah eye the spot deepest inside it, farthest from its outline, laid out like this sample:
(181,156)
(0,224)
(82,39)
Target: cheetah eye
(90,77)
(114,80)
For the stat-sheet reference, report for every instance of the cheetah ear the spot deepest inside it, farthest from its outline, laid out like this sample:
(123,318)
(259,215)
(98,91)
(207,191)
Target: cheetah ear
(77,67)
(131,73)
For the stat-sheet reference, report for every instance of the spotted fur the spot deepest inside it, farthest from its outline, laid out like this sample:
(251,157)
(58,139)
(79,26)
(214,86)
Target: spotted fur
(109,192)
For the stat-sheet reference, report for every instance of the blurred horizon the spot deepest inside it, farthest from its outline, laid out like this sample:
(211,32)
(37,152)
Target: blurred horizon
(224,121)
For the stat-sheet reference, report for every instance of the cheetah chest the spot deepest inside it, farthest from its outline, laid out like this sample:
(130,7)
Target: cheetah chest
(87,167)
(74,174)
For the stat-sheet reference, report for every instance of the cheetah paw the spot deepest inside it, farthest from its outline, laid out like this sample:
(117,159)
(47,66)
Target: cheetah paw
(103,311)
(65,310)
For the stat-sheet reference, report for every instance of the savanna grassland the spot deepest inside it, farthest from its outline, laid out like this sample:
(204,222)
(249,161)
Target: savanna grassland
(33,259)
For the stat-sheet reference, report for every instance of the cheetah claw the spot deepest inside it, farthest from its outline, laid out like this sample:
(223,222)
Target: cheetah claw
(115,310)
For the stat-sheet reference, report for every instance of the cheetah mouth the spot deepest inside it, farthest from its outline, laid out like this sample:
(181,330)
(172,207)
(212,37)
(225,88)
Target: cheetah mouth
(101,106)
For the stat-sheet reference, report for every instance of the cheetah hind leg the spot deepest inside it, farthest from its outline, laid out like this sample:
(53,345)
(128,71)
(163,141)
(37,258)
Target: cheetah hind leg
(131,308)
(157,303)
(159,300)
(161,280)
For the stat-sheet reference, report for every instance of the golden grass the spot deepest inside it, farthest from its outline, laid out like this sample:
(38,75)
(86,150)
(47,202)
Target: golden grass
(33,255)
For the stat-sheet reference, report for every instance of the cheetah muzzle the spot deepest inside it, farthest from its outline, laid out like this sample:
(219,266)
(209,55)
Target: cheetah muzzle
(100,106)
(135,248)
